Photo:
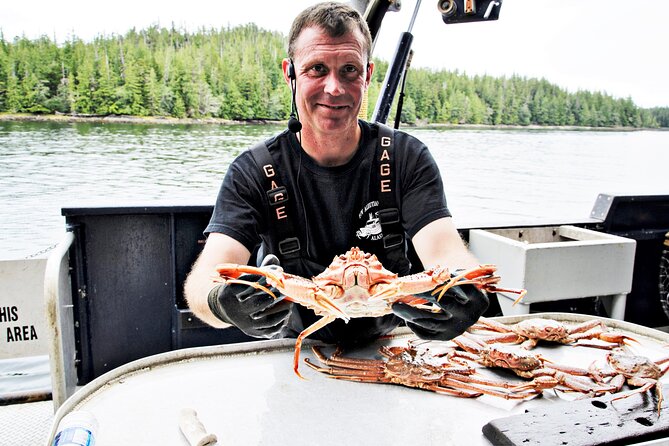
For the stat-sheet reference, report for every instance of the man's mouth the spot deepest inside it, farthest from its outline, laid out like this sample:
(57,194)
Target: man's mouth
(334,107)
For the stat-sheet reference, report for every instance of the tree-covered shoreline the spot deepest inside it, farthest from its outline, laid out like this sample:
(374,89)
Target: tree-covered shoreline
(234,74)
(168,120)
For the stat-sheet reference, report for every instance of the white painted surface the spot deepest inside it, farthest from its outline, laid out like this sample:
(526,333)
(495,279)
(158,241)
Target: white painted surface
(556,263)
(22,318)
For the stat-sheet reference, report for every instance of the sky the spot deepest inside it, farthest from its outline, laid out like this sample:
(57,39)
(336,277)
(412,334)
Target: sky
(613,46)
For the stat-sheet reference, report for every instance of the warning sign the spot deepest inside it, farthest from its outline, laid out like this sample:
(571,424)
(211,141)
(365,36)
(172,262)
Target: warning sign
(22,308)
(16,333)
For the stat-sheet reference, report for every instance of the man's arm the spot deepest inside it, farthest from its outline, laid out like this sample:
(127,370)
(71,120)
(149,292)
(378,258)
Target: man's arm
(219,248)
(439,244)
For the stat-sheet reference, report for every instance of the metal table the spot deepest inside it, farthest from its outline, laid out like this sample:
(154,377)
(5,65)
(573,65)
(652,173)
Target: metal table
(248,394)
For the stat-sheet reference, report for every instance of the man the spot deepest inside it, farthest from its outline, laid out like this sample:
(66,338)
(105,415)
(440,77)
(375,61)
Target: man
(347,183)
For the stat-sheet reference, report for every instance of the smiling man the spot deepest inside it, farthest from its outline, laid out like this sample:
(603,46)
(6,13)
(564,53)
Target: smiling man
(332,74)
(329,183)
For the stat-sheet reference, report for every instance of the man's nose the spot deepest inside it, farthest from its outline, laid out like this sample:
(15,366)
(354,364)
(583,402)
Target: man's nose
(333,84)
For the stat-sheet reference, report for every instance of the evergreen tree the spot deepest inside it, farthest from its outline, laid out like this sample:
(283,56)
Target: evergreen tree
(660,114)
(235,73)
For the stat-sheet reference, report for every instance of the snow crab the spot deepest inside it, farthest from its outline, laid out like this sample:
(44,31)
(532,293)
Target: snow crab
(544,374)
(529,332)
(636,371)
(408,367)
(357,285)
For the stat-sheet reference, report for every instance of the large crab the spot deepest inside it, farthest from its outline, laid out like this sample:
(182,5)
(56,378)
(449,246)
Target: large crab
(637,371)
(544,374)
(357,285)
(530,331)
(410,367)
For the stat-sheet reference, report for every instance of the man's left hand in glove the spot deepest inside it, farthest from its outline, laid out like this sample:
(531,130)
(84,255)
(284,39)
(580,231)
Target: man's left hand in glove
(461,306)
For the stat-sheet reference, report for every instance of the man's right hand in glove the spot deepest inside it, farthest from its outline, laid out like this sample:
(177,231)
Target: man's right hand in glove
(252,310)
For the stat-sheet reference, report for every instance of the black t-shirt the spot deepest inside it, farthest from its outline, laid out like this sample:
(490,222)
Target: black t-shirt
(337,205)
(334,207)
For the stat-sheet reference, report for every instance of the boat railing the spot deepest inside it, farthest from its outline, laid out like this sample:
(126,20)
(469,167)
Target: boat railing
(60,321)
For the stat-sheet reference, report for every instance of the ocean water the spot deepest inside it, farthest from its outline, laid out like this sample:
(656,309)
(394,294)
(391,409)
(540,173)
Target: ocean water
(490,175)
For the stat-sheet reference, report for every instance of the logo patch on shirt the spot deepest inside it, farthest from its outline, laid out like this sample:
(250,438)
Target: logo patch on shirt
(371,230)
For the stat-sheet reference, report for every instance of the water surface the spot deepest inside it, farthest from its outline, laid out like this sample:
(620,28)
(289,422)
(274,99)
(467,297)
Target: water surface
(490,175)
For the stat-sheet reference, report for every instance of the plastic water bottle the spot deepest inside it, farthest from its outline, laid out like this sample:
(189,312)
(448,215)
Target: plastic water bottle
(77,428)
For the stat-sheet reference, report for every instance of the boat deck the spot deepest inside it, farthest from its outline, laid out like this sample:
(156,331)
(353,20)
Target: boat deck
(24,424)
(26,408)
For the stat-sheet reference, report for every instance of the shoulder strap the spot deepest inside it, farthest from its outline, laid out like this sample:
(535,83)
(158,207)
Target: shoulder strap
(277,195)
(389,213)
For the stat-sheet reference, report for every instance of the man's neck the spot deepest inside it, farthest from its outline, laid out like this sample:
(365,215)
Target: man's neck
(331,150)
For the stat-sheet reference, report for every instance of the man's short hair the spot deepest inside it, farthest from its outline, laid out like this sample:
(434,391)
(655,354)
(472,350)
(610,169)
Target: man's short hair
(336,19)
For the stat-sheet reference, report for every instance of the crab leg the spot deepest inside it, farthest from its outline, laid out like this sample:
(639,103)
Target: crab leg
(278,281)
(347,368)
(460,393)
(553,380)
(472,276)
(255,285)
(322,322)
(462,382)
(482,277)
(520,293)
(405,287)
(643,388)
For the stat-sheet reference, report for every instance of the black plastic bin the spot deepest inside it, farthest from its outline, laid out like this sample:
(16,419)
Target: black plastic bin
(128,268)
(644,218)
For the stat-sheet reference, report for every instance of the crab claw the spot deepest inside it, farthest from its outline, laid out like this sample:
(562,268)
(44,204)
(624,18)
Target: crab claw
(384,293)
(324,301)
(616,338)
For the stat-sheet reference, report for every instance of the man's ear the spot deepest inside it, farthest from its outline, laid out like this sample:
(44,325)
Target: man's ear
(370,71)
(286,65)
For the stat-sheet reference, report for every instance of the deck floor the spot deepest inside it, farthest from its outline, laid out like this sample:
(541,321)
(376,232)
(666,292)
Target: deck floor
(23,424)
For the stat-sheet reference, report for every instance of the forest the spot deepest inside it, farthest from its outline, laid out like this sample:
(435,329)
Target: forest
(235,74)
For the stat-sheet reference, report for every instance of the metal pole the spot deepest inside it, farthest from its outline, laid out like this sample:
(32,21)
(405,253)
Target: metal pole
(394,73)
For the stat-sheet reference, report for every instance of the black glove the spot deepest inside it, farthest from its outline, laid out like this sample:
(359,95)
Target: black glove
(461,307)
(253,311)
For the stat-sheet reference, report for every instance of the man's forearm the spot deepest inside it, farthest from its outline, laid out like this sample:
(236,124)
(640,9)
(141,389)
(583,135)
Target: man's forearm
(440,244)
(196,290)
(219,249)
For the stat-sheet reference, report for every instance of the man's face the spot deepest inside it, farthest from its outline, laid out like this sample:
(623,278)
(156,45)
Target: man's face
(332,76)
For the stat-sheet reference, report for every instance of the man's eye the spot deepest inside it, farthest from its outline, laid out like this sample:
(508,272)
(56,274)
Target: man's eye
(350,72)
(318,69)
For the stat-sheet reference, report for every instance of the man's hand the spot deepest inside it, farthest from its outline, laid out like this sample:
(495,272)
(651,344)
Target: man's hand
(461,307)
(253,311)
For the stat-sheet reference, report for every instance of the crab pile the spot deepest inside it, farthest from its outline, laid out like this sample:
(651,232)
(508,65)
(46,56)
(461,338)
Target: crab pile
(357,285)
(458,367)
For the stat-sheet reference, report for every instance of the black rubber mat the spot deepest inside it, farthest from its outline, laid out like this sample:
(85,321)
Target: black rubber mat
(585,423)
